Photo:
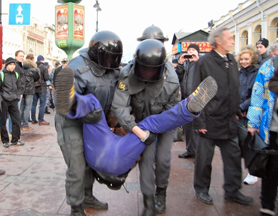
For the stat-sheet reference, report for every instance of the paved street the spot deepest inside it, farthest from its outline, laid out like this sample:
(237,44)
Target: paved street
(35,175)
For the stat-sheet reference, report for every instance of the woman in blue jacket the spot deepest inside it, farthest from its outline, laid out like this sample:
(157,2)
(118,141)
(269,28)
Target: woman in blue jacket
(248,59)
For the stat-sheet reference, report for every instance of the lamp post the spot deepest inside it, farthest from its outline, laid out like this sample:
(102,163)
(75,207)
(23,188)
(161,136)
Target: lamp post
(96,6)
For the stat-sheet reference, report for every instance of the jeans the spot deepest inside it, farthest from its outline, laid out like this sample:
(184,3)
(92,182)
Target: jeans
(25,108)
(42,98)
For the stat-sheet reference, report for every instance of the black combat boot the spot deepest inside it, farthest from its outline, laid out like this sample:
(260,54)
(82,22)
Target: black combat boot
(92,202)
(77,211)
(160,200)
(149,205)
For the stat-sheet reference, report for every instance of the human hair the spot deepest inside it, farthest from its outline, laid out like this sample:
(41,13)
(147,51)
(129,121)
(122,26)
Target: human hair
(216,33)
(18,51)
(3,62)
(273,47)
(30,56)
(252,51)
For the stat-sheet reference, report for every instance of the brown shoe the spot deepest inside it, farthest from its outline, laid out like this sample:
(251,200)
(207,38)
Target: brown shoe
(2,172)
(44,123)
(35,122)
(26,128)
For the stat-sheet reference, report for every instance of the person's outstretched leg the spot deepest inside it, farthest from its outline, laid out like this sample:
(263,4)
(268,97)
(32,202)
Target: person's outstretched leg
(64,90)
(202,95)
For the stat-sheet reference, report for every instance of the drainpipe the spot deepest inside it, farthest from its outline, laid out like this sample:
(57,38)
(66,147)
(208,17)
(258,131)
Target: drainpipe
(236,44)
(262,16)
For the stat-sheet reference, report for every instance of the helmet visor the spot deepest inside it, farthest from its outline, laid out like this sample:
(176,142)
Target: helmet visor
(109,60)
(148,74)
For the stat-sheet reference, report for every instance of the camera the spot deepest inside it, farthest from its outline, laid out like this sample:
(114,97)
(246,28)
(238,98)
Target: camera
(187,56)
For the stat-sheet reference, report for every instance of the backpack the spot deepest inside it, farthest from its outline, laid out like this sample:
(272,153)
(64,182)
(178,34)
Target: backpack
(3,75)
(40,81)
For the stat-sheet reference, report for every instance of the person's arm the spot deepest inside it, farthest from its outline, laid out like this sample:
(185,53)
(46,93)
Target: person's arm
(121,109)
(255,110)
(245,104)
(139,132)
(21,79)
(121,106)
(45,74)
(180,71)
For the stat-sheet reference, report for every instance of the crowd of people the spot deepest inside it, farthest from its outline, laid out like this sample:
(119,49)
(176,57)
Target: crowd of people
(24,82)
(149,85)
(243,97)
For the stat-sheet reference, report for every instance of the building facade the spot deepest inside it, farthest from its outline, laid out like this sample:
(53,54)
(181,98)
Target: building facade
(37,39)
(250,21)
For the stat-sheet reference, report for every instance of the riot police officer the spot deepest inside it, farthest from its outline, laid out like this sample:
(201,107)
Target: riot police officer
(95,71)
(149,85)
(154,32)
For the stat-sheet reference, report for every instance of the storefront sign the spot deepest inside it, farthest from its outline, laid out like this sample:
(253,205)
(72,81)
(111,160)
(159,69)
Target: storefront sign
(204,46)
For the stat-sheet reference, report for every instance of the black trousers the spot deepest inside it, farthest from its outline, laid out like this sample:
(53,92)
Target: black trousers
(231,156)
(191,138)
(269,183)
(10,107)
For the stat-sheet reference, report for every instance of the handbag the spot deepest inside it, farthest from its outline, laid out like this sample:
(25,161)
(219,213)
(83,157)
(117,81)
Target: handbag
(257,166)
(254,151)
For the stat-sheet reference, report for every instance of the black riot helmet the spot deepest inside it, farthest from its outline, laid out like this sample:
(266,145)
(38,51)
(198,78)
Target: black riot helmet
(153,32)
(106,49)
(111,181)
(150,58)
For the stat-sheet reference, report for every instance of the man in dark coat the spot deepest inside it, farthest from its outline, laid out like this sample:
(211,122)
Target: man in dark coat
(186,72)
(217,124)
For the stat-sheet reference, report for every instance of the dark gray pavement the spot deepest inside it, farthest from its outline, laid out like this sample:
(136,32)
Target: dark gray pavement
(35,176)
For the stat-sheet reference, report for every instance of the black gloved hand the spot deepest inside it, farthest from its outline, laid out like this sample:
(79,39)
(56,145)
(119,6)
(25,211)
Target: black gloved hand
(151,138)
(92,117)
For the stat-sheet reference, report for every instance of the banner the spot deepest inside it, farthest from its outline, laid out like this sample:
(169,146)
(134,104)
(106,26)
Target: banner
(78,22)
(61,22)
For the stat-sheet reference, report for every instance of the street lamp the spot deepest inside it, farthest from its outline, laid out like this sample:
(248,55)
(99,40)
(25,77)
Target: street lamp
(96,6)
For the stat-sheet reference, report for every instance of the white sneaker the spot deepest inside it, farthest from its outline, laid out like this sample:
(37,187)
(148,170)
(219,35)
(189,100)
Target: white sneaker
(250,179)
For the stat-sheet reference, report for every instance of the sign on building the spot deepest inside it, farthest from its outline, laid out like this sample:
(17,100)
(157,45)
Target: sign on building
(20,14)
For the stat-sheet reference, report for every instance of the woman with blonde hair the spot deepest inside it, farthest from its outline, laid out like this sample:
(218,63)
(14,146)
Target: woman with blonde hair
(247,59)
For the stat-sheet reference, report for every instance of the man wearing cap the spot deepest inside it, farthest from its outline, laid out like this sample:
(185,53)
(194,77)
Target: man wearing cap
(262,45)
(185,72)
(9,90)
(40,93)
